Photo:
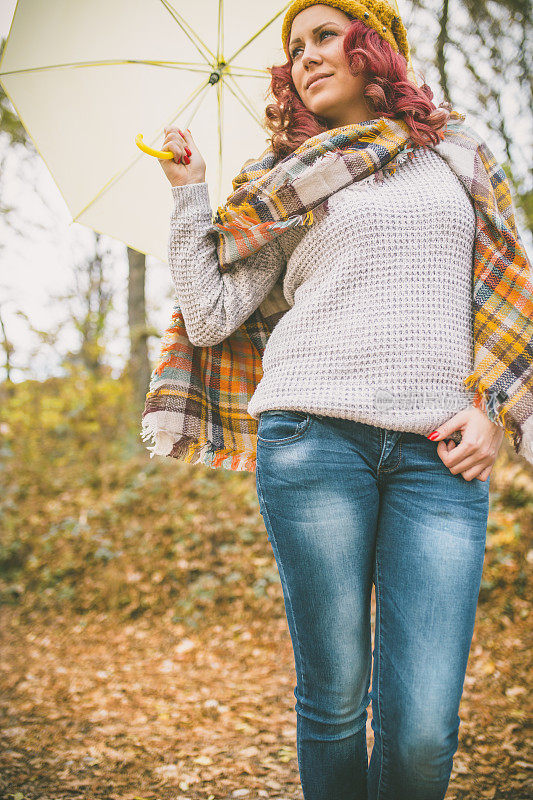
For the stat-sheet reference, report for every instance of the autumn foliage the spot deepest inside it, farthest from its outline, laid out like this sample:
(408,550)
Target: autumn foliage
(145,649)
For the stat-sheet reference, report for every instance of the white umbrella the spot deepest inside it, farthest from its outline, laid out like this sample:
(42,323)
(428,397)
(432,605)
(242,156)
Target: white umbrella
(87,76)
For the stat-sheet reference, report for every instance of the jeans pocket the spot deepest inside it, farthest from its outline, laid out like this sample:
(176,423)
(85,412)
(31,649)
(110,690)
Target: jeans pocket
(282,426)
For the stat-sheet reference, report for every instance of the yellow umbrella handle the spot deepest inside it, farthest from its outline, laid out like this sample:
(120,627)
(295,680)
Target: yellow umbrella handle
(150,150)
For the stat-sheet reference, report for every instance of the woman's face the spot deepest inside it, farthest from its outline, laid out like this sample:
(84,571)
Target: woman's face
(315,47)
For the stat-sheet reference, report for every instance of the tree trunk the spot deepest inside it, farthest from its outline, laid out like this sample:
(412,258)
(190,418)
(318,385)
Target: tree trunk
(139,364)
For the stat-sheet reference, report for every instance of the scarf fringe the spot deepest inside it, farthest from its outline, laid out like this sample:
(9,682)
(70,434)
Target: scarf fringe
(526,446)
(489,400)
(191,450)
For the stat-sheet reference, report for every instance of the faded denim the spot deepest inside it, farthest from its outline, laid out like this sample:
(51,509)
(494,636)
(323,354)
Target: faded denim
(345,505)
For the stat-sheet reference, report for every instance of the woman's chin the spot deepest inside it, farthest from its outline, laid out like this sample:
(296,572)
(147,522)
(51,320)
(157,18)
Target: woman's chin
(322,110)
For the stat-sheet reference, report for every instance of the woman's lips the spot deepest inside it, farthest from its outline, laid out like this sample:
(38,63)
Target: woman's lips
(320,80)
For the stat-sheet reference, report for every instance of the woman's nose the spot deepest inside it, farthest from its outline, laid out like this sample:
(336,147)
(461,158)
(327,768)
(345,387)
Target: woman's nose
(310,56)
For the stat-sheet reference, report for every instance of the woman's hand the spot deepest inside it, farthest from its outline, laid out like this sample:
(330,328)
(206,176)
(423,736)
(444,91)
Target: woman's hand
(474,457)
(187,166)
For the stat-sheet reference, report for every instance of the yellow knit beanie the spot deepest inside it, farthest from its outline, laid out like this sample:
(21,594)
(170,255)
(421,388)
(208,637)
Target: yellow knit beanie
(381,15)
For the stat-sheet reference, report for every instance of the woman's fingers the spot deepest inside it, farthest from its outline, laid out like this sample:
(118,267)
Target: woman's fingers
(485,474)
(181,137)
(177,134)
(185,155)
(176,144)
(470,472)
(179,153)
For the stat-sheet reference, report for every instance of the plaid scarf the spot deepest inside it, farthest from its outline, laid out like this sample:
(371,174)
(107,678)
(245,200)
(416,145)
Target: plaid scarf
(195,408)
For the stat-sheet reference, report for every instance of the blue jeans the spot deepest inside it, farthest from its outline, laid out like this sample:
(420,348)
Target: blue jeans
(345,505)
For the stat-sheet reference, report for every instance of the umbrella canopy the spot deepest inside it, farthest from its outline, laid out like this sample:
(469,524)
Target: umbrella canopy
(87,76)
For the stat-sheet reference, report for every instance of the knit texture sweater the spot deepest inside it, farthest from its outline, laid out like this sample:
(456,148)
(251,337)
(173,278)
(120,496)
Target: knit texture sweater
(379,325)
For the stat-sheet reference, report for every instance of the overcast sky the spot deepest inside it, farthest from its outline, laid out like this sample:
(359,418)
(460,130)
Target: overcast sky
(37,261)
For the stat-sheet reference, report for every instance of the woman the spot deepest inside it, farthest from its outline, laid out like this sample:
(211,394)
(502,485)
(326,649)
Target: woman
(367,361)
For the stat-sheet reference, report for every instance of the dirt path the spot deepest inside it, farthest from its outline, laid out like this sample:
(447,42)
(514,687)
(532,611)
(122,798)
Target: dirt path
(151,709)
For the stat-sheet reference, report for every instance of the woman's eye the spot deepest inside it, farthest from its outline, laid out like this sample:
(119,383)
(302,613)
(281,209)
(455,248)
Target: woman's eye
(320,35)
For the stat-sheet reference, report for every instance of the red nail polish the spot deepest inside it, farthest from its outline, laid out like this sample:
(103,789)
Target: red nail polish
(186,160)
(188,151)
(433,435)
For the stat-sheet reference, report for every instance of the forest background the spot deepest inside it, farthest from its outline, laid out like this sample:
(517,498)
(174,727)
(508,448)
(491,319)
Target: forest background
(144,651)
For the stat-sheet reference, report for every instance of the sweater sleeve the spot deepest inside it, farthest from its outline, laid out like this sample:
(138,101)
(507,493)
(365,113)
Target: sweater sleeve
(214,304)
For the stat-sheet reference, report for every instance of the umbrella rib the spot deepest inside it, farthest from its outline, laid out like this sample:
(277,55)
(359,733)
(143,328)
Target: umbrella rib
(191,116)
(219,105)
(113,63)
(274,18)
(246,102)
(137,158)
(220,43)
(188,31)
(248,72)
(241,72)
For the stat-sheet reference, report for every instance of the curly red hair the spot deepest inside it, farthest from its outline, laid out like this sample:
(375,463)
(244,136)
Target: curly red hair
(388,92)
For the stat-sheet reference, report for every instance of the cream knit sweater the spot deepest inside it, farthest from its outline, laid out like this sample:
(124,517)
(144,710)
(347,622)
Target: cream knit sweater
(379,327)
